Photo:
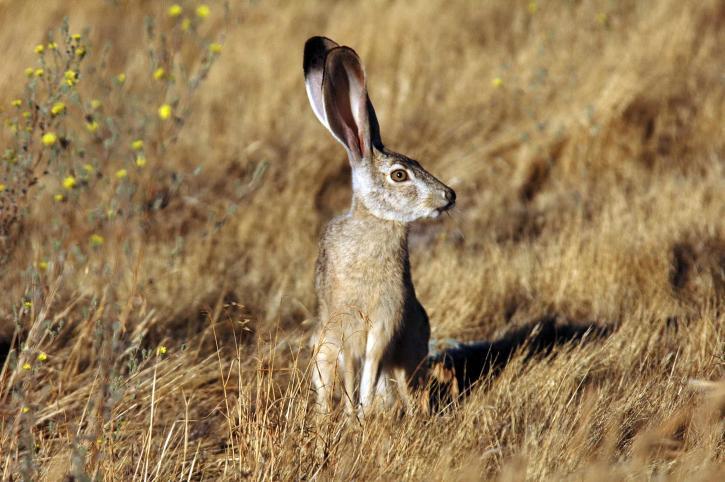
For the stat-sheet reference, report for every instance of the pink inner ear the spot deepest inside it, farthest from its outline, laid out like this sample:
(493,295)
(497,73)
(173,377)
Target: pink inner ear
(358,103)
(346,101)
(345,104)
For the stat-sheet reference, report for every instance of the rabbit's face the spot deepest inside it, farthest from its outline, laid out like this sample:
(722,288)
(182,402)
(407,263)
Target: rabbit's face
(396,188)
(390,185)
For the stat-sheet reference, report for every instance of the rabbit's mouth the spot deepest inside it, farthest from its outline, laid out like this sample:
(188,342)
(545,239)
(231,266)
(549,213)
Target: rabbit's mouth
(435,213)
(450,196)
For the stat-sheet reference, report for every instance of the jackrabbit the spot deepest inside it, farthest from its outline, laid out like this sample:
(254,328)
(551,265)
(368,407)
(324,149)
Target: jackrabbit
(369,315)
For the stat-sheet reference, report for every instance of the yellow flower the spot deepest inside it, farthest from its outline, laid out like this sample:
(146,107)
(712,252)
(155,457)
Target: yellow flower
(140,160)
(42,265)
(96,239)
(26,115)
(80,52)
(497,82)
(185,24)
(27,366)
(25,409)
(92,126)
(215,48)
(29,72)
(601,18)
(174,10)
(202,11)
(121,78)
(39,72)
(69,182)
(121,173)
(76,36)
(39,49)
(137,145)
(52,45)
(28,304)
(71,77)
(48,139)
(58,198)
(96,104)
(533,7)
(159,73)
(2,187)
(88,168)
(16,103)
(161,350)
(42,356)
(165,111)
(58,108)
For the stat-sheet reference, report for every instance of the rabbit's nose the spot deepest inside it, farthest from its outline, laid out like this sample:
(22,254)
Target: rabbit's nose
(450,196)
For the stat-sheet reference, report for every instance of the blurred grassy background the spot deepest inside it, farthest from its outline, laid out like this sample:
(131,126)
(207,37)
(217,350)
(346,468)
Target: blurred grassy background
(585,141)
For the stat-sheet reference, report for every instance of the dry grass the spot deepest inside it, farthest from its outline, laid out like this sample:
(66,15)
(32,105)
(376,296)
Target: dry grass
(590,179)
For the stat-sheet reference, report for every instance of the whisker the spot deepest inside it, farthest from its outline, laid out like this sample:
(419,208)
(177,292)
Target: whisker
(456,223)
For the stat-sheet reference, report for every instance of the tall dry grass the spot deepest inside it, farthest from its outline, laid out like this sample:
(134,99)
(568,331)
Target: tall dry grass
(585,141)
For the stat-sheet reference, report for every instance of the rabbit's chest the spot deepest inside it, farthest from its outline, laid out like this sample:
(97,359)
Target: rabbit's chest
(367,268)
(366,275)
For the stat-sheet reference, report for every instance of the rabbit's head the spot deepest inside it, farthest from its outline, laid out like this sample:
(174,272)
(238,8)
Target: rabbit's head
(391,186)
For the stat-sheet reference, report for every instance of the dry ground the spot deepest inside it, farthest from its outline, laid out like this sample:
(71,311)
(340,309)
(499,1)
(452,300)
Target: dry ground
(586,143)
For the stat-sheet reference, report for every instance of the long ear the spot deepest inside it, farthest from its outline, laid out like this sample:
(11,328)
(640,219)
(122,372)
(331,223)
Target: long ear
(349,112)
(313,64)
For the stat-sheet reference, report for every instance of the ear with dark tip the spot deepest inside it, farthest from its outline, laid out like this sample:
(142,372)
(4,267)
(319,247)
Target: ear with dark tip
(347,107)
(313,65)
(375,138)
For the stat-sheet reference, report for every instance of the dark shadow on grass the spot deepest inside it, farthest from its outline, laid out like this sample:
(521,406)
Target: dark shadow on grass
(455,370)
(5,347)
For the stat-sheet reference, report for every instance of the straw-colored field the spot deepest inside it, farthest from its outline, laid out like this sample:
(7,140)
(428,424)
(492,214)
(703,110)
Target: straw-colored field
(157,299)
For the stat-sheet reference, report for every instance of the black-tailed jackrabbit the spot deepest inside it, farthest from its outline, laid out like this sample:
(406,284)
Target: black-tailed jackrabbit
(369,316)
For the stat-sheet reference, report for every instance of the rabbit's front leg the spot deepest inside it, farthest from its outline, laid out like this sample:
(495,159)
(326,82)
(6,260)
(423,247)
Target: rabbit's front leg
(374,351)
(323,374)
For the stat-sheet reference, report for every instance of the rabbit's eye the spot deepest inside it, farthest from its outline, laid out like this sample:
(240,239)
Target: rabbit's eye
(399,175)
